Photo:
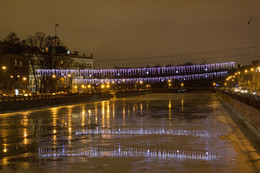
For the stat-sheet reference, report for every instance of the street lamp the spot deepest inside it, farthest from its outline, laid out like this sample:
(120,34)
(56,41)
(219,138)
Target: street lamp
(4,68)
(24,78)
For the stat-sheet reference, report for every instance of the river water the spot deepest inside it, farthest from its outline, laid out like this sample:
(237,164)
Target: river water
(189,132)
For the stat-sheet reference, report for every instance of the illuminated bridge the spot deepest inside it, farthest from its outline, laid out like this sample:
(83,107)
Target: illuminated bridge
(143,75)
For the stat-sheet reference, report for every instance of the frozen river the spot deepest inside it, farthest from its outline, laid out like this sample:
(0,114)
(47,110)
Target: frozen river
(190,132)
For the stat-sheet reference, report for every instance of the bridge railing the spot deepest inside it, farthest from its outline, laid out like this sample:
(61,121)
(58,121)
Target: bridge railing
(134,72)
(249,99)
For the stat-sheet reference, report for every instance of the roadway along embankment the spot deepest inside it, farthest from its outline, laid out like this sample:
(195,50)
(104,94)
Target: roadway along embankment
(250,114)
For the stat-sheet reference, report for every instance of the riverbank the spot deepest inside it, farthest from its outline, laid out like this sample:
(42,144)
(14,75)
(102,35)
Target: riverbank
(41,101)
(248,114)
(18,103)
(121,94)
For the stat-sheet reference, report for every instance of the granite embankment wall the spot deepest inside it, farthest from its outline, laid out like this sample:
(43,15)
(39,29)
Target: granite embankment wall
(248,113)
(40,101)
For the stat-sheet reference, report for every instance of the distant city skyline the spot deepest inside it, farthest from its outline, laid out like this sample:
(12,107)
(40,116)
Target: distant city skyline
(135,33)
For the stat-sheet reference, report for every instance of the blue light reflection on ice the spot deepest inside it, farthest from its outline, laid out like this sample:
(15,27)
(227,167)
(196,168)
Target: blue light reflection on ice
(148,131)
(133,152)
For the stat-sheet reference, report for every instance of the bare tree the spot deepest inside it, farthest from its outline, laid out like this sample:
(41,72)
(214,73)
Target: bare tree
(45,53)
(12,39)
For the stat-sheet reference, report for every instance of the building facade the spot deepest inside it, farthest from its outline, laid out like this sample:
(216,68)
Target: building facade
(14,72)
(249,76)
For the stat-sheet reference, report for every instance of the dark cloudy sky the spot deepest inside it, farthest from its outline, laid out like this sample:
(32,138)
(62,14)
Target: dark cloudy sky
(132,29)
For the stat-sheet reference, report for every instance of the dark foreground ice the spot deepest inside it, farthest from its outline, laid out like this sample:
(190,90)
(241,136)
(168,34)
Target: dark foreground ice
(189,132)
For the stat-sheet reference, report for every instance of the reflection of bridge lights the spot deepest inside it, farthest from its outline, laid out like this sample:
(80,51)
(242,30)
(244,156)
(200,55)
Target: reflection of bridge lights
(133,152)
(150,131)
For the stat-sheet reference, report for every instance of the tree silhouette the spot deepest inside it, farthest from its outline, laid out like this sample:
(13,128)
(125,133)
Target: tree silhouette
(45,53)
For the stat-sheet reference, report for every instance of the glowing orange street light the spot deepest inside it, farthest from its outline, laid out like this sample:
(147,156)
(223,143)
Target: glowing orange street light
(4,67)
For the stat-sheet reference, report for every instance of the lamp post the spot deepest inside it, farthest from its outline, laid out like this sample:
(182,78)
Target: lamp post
(3,78)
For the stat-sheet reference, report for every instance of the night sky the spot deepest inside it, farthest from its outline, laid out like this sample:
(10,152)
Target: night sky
(131,30)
